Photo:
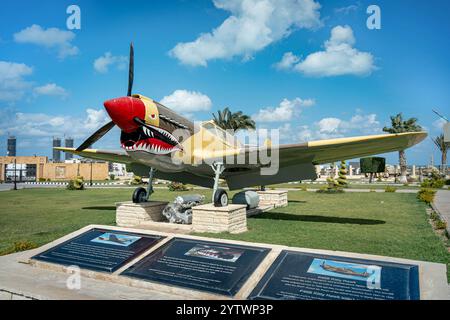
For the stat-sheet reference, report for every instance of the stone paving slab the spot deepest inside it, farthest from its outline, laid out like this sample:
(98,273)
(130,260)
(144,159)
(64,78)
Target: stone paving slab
(441,204)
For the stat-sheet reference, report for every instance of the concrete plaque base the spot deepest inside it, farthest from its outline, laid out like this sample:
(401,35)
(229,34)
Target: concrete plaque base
(208,218)
(129,214)
(276,198)
(22,277)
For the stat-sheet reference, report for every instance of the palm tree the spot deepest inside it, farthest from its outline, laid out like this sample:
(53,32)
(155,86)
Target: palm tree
(443,147)
(398,125)
(233,120)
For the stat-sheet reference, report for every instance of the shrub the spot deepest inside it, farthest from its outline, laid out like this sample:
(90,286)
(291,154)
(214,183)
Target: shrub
(76,184)
(447,182)
(441,225)
(177,186)
(433,183)
(112,176)
(20,246)
(328,190)
(342,180)
(42,180)
(426,195)
(136,180)
(390,189)
(434,216)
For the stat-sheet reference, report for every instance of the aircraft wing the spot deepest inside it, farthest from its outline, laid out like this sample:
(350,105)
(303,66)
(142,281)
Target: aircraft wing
(326,151)
(297,161)
(105,155)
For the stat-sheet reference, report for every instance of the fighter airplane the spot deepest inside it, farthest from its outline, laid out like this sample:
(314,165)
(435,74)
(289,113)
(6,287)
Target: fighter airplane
(165,145)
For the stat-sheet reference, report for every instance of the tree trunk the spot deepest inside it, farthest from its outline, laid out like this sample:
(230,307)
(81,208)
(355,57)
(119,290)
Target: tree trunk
(444,163)
(402,162)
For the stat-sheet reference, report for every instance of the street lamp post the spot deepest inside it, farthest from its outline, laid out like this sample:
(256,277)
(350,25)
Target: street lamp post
(15,174)
(91,175)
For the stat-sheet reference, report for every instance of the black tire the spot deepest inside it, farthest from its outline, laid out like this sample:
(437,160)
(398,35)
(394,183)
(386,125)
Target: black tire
(220,198)
(139,195)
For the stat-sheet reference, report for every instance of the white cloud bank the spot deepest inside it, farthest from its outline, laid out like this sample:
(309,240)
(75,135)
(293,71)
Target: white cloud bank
(187,101)
(44,125)
(103,63)
(252,26)
(60,40)
(328,128)
(339,58)
(285,111)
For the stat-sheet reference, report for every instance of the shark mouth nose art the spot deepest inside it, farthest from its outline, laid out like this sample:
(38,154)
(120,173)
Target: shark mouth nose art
(150,139)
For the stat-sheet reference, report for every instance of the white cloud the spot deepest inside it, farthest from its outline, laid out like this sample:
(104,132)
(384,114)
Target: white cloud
(329,125)
(54,38)
(50,89)
(102,64)
(287,62)
(95,119)
(187,101)
(339,58)
(285,111)
(439,124)
(252,26)
(12,80)
(328,128)
(348,9)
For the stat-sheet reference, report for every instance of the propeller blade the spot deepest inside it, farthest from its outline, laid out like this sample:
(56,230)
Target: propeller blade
(131,71)
(96,136)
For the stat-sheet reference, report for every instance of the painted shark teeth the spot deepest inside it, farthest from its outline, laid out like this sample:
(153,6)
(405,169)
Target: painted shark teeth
(155,149)
(147,131)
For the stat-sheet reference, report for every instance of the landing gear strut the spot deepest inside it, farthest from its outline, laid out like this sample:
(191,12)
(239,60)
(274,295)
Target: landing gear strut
(140,194)
(220,196)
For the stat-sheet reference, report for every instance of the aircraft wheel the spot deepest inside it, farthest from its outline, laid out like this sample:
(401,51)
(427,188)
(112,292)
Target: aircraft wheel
(220,198)
(139,195)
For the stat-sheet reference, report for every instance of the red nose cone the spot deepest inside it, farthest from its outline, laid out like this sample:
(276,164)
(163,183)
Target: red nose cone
(123,110)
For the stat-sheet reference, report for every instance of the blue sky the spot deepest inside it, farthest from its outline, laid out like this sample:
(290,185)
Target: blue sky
(201,56)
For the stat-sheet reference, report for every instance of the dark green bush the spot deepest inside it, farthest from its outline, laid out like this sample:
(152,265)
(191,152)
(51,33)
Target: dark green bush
(372,164)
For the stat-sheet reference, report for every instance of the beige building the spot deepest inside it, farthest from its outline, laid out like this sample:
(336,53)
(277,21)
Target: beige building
(36,168)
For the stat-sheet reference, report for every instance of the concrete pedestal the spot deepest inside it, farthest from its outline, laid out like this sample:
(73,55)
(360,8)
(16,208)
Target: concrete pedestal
(129,214)
(207,218)
(276,198)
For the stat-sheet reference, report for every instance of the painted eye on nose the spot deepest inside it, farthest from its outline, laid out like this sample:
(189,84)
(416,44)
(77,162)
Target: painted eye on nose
(153,116)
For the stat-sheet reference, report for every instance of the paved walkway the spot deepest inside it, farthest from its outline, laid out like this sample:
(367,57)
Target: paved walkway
(442,205)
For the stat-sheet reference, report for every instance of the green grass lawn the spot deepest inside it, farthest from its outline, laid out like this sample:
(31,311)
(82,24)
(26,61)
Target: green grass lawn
(388,224)
(351,185)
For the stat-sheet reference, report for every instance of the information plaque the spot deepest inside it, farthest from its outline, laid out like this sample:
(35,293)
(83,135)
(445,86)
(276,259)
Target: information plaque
(207,266)
(304,276)
(100,250)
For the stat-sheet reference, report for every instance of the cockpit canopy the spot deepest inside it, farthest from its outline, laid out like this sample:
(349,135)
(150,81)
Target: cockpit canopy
(224,136)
